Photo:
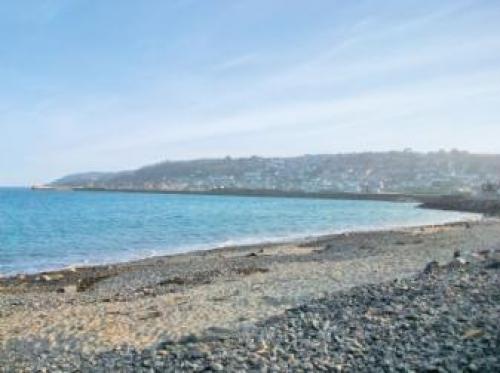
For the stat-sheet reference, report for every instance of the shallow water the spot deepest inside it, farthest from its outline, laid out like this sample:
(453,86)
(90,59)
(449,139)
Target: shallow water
(41,230)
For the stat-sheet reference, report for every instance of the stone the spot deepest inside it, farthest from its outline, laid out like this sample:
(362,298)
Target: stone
(485,253)
(149,315)
(473,333)
(70,289)
(494,265)
(190,338)
(148,291)
(216,333)
(444,322)
(216,367)
(53,277)
(457,263)
(431,267)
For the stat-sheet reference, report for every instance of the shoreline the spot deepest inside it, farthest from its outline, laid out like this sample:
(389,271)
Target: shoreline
(456,203)
(300,239)
(176,303)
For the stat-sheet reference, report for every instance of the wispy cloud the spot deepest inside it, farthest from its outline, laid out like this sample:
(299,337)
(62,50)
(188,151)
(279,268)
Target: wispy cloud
(374,77)
(236,62)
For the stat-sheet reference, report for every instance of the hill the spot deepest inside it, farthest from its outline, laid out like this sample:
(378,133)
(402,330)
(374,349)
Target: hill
(398,172)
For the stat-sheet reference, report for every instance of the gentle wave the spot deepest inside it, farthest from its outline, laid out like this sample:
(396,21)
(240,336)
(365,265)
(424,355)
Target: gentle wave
(42,231)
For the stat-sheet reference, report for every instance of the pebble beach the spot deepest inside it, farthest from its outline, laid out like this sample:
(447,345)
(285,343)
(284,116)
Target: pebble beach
(409,299)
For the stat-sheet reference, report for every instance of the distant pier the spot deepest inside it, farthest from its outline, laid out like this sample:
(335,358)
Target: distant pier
(50,187)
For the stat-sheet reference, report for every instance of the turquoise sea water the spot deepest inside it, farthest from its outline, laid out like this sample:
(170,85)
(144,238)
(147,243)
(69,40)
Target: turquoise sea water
(41,230)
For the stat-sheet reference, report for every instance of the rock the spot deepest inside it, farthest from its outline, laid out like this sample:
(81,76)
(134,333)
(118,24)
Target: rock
(149,315)
(148,291)
(216,367)
(217,334)
(70,289)
(196,354)
(162,352)
(457,263)
(473,367)
(473,333)
(494,265)
(173,281)
(431,267)
(190,338)
(88,282)
(485,253)
(456,254)
(246,271)
(444,322)
(52,277)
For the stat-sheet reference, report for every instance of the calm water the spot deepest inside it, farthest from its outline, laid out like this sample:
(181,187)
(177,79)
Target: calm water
(42,230)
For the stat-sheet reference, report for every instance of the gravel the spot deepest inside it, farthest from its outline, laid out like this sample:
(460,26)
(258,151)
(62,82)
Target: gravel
(445,319)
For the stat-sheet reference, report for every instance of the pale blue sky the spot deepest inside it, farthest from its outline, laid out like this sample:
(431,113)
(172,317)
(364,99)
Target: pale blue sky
(110,85)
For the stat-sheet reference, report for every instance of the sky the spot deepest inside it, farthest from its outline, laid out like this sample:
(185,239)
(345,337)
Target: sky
(91,85)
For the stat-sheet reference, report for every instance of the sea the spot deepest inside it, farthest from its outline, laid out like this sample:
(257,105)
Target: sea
(46,230)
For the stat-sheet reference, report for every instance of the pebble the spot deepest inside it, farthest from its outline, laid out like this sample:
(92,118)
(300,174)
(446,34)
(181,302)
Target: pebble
(446,321)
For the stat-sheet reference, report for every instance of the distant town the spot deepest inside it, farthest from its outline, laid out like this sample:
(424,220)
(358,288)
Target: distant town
(388,172)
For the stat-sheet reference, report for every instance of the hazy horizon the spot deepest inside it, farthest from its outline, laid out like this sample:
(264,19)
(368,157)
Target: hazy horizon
(76,172)
(116,85)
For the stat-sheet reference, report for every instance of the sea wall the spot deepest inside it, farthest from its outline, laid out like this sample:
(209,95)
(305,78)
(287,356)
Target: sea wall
(485,206)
